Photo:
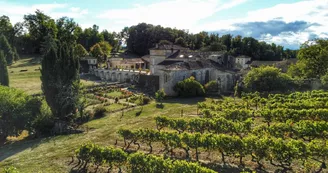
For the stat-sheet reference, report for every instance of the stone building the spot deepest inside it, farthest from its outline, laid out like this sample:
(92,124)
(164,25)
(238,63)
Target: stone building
(173,64)
(87,64)
(242,61)
(170,64)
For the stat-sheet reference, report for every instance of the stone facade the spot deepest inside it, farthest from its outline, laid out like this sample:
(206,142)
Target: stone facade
(243,61)
(173,65)
(168,79)
(170,64)
(117,75)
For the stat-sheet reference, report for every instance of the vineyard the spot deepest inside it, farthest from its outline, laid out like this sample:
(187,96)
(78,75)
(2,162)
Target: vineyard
(282,133)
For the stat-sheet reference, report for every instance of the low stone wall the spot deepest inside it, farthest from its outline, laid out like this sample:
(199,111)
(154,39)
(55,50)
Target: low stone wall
(117,75)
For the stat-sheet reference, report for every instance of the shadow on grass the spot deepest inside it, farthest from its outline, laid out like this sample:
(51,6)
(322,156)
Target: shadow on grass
(10,149)
(160,106)
(227,168)
(185,100)
(29,62)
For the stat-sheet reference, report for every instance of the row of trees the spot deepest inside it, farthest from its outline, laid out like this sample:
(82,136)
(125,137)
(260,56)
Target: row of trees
(143,36)
(139,38)
(39,25)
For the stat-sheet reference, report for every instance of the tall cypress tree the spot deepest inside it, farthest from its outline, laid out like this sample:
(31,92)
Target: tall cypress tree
(4,79)
(6,48)
(60,80)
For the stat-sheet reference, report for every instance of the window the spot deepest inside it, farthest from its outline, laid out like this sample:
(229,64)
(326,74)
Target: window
(166,78)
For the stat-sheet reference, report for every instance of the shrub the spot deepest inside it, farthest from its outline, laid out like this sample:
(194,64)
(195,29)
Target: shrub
(17,111)
(44,121)
(99,111)
(189,88)
(141,100)
(159,95)
(212,86)
(267,79)
(10,169)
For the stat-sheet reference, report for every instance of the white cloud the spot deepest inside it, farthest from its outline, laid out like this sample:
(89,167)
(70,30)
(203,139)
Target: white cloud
(182,14)
(55,10)
(311,11)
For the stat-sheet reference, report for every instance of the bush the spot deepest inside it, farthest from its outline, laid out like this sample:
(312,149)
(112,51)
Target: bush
(10,169)
(212,86)
(267,79)
(160,95)
(17,111)
(44,122)
(141,100)
(189,88)
(99,112)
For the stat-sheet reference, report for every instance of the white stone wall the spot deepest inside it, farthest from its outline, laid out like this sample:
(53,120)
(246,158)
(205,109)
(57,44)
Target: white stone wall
(242,62)
(115,75)
(169,79)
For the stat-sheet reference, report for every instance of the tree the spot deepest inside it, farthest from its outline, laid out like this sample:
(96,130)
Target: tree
(180,41)
(80,51)
(65,29)
(212,86)
(105,47)
(17,110)
(226,40)
(189,88)
(7,50)
(4,79)
(159,95)
(216,46)
(97,52)
(267,78)
(39,25)
(60,80)
(15,54)
(6,27)
(313,59)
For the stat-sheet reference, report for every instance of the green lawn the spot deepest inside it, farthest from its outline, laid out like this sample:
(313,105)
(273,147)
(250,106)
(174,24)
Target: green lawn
(114,94)
(29,80)
(52,154)
(114,107)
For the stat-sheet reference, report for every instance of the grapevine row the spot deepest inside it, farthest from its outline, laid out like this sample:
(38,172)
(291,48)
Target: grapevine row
(304,129)
(136,162)
(202,125)
(282,115)
(279,152)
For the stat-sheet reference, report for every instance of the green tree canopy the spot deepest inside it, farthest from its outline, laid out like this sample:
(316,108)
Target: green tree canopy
(160,95)
(97,52)
(105,47)
(313,60)
(39,25)
(7,50)
(80,51)
(60,80)
(4,79)
(180,41)
(189,88)
(17,111)
(267,78)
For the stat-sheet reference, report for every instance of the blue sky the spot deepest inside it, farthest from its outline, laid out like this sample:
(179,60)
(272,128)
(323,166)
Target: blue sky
(285,22)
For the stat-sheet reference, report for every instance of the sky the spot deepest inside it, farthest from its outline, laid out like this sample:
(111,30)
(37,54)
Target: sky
(285,22)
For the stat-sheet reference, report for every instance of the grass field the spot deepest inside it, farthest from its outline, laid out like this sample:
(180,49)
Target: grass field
(25,75)
(52,154)
(27,80)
